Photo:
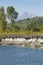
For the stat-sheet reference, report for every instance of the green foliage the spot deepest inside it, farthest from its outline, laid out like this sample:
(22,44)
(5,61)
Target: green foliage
(30,24)
(33,24)
(17,28)
(11,13)
(2,19)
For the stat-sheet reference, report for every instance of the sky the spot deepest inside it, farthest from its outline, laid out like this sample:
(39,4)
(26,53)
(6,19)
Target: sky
(34,7)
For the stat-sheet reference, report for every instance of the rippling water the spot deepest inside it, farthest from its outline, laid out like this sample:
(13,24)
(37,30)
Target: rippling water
(20,56)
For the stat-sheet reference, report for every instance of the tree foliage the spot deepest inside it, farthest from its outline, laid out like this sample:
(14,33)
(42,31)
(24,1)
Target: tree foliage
(11,13)
(30,24)
(2,19)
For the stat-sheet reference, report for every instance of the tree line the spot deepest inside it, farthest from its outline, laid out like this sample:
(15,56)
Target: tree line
(10,15)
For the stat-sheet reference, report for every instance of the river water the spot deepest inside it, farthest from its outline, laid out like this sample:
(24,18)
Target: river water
(12,55)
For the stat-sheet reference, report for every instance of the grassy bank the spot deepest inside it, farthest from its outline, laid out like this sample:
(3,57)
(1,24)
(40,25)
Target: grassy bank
(21,33)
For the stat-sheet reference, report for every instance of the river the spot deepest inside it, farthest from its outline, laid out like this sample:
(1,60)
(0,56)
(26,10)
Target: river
(12,55)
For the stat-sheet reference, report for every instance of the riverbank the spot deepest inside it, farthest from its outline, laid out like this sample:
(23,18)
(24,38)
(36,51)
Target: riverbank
(23,41)
(22,33)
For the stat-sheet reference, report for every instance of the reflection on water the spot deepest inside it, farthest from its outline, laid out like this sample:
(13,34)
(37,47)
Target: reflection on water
(20,56)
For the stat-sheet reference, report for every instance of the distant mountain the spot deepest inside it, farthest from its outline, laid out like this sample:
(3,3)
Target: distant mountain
(25,16)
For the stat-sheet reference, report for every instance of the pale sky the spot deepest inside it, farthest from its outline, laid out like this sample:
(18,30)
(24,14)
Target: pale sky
(31,6)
